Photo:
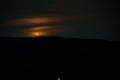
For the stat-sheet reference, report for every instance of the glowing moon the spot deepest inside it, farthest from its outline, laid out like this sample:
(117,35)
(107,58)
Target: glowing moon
(36,34)
(39,31)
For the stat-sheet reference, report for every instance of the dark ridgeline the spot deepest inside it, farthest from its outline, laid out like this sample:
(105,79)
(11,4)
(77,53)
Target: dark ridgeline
(55,46)
(48,58)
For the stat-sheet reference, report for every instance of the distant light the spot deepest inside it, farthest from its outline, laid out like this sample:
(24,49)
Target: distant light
(58,78)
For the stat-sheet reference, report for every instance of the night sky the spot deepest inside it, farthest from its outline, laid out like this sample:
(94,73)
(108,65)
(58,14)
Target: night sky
(98,19)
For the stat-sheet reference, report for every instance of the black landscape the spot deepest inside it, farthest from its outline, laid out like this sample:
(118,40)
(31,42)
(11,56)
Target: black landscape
(57,46)
(51,57)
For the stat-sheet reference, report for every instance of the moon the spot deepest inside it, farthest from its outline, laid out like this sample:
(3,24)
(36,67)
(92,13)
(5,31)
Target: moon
(36,34)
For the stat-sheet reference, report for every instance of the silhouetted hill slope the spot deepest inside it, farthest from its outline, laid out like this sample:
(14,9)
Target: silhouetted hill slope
(57,46)
(48,58)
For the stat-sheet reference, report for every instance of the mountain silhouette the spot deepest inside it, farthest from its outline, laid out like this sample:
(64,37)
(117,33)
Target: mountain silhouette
(48,58)
(57,46)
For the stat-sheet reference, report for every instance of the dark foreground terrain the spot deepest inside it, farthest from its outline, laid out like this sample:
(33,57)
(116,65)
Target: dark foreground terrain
(57,46)
(47,58)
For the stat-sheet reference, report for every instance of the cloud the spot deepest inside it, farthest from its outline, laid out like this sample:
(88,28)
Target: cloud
(40,31)
(33,21)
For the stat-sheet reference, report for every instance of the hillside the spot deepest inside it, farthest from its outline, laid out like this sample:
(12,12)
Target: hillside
(56,46)
(48,58)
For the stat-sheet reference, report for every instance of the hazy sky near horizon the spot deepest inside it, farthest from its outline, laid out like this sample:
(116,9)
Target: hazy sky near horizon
(98,19)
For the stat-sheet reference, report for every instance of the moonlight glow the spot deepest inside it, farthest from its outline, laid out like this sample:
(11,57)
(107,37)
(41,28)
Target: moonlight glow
(36,34)
(39,31)
(36,26)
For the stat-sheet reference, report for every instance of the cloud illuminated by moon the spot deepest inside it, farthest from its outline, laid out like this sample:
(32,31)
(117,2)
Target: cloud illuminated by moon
(40,28)
(37,20)
(33,20)
(39,31)
(37,34)
(37,26)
